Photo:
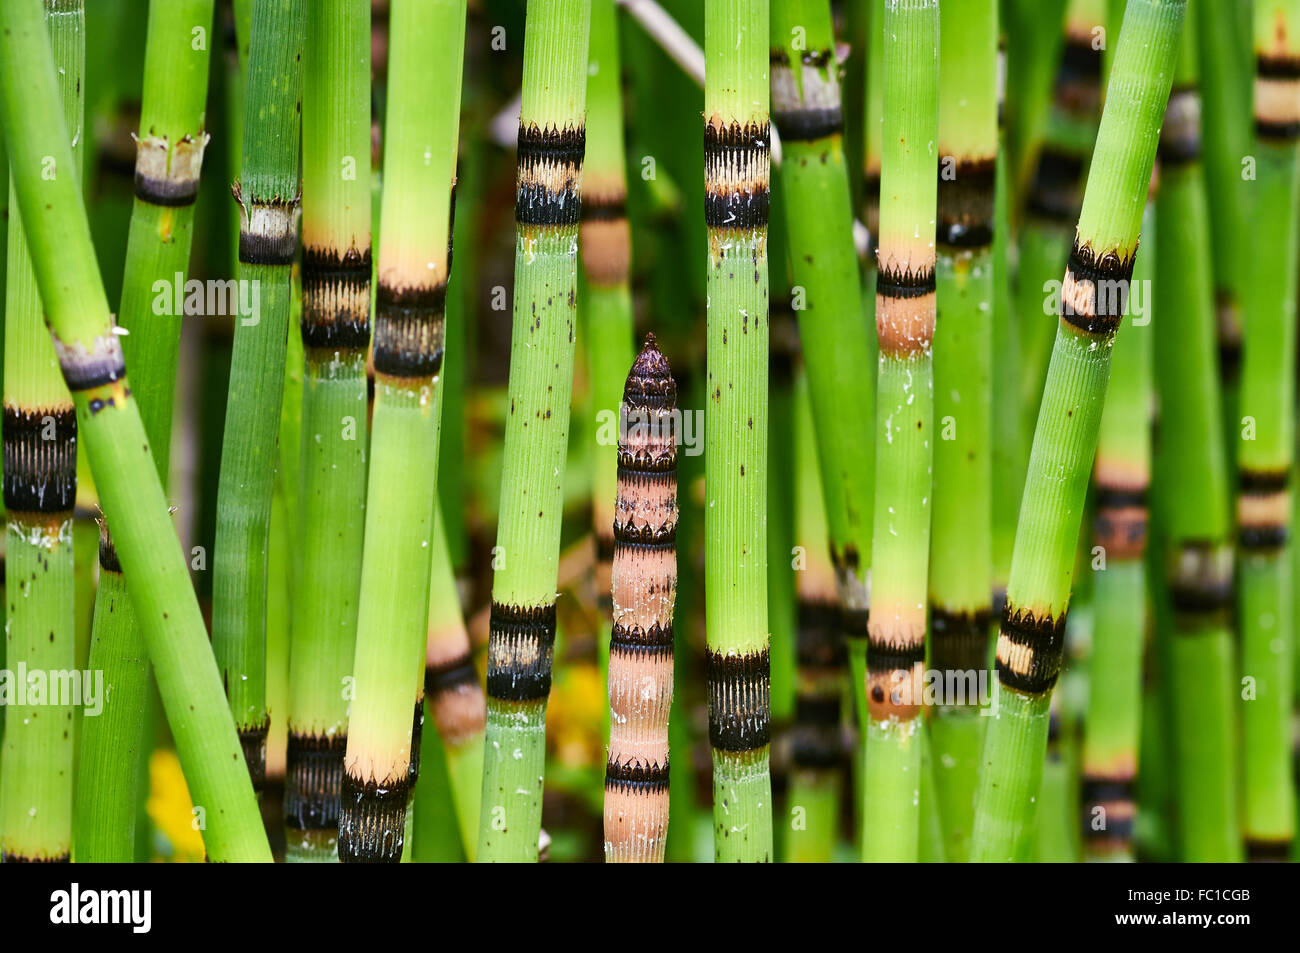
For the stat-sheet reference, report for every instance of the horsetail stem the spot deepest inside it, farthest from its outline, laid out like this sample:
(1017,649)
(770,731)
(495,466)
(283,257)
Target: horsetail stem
(452,690)
(4,247)
(736,184)
(414,264)
(109,422)
(807,111)
(40,488)
(1121,481)
(644,581)
(267,193)
(552,143)
(1010,449)
(1226,58)
(108,784)
(783,348)
(1035,36)
(816,753)
(605,241)
(905,315)
(1056,192)
(1266,455)
(835,341)
(169,157)
(1093,294)
(873,102)
(168,160)
(961,551)
(1192,482)
(335,329)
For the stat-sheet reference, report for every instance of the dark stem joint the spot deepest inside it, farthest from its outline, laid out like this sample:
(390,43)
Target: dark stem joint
(40,459)
(336,299)
(1032,660)
(372,821)
(820,642)
(809,124)
(636,777)
(313,774)
(549,170)
(166,193)
(409,331)
(906,284)
(1109,276)
(885,657)
(520,650)
(599,208)
(634,640)
(959,641)
(965,209)
(630,538)
(450,676)
(739,700)
(1280,132)
(253,743)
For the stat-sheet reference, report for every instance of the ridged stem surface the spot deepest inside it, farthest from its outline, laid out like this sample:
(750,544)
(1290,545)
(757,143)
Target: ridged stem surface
(420,148)
(1093,298)
(961,546)
(644,591)
(452,689)
(108,782)
(109,423)
(552,144)
(605,244)
(1266,452)
(816,747)
(1121,480)
(267,193)
(335,333)
(836,343)
(904,433)
(169,157)
(40,486)
(736,182)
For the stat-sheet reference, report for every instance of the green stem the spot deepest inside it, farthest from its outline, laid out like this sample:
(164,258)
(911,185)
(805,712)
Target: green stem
(40,488)
(826,284)
(335,330)
(108,782)
(552,142)
(1056,191)
(1192,495)
(1097,278)
(1010,448)
(1122,479)
(605,242)
(452,689)
(1266,454)
(267,194)
(1034,42)
(414,262)
(873,103)
(961,551)
(169,158)
(1226,58)
(817,755)
(736,181)
(110,425)
(905,319)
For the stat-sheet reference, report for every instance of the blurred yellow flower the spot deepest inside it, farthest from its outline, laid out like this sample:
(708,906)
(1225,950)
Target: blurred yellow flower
(576,716)
(171,810)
